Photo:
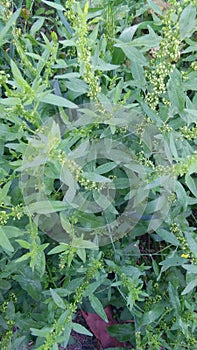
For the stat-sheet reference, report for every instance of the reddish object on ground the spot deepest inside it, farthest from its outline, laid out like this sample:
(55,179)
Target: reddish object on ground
(99,328)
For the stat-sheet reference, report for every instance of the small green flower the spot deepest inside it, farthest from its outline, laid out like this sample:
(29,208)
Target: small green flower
(3,217)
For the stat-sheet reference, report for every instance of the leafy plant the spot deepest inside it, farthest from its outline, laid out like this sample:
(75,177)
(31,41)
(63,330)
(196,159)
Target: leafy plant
(98,188)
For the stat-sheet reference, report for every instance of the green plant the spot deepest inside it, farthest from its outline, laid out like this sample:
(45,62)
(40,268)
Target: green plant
(98,187)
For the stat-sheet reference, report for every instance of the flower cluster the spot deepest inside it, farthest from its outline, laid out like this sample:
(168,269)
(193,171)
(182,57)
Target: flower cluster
(165,128)
(3,77)
(70,13)
(52,58)
(3,217)
(141,127)
(152,300)
(188,133)
(109,27)
(16,33)
(77,172)
(164,58)
(67,256)
(6,337)
(182,168)
(178,169)
(58,327)
(189,2)
(187,253)
(16,213)
(145,161)
(79,21)
(194,65)
(7,12)
(31,116)
(135,289)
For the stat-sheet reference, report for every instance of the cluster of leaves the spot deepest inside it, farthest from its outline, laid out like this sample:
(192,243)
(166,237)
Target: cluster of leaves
(131,67)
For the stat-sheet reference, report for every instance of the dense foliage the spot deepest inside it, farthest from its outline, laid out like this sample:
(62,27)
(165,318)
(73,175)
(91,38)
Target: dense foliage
(98,186)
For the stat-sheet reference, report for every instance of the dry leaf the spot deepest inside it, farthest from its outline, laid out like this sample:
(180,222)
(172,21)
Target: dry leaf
(98,328)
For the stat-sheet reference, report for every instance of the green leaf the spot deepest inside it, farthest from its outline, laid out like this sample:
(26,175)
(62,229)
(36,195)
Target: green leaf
(104,202)
(46,207)
(148,40)
(155,8)
(174,299)
(57,299)
(54,5)
(40,332)
(181,195)
(64,339)
(155,267)
(152,315)
(118,56)
(168,236)
(174,261)
(81,252)
(191,82)
(10,101)
(176,92)
(39,261)
(192,243)
(56,100)
(138,75)
(36,26)
(17,75)
(24,257)
(83,244)
(23,244)
(191,184)
(9,25)
(133,54)
(190,115)
(98,307)
(193,166)
(190,268)
(67,43)
(187,22)
(121,183)
(104,66)
(4,193)
(94,285)
(128,33)
(151,114)
(80,329)
(173,146)
(6,285)
(68,76)
(95,177)
(4,241)
(122,332)
(29,282)
(65,223)
(62,247)
(77,85)
(105,168)
(90,221)
(191,285)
